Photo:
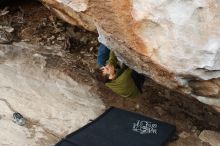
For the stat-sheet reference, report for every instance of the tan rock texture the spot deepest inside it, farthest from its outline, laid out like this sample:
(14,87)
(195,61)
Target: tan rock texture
(174,42)
(211,137)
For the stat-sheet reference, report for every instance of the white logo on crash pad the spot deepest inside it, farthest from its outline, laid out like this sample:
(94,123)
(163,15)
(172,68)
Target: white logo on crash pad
(145,127)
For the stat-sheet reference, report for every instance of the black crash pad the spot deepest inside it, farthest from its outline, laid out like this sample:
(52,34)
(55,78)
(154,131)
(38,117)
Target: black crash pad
(117,127)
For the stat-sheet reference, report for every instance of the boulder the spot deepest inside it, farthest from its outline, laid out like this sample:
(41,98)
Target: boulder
(52,103)
(174,42)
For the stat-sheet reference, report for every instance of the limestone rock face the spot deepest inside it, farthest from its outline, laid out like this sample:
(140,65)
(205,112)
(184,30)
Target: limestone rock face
(175,42)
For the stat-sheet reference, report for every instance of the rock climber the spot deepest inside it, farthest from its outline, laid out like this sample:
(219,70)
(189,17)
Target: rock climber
(117,76)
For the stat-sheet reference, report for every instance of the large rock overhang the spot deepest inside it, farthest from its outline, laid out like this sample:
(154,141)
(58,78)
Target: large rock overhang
(175,43)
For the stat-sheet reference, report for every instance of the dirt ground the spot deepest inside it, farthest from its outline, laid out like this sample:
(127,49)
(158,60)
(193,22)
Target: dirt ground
(35,24)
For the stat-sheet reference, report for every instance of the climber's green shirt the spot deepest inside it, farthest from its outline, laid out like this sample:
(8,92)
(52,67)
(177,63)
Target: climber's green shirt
(123,84)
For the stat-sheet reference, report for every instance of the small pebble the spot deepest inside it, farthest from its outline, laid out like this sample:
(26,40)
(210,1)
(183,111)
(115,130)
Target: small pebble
(91,49)
(137,106)
(184,134)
